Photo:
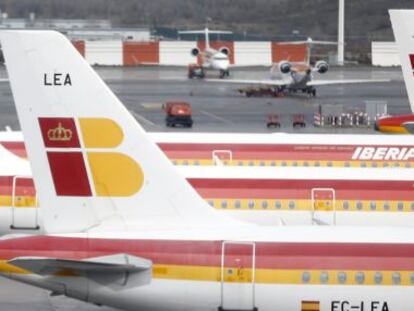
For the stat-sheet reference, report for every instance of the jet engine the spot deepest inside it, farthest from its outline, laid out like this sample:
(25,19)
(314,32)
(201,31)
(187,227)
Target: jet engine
(321,66)
(285,67)
(195,52)
(224,50)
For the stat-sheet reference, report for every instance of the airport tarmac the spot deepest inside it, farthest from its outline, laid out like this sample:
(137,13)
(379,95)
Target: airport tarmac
(219,107)
(216,108)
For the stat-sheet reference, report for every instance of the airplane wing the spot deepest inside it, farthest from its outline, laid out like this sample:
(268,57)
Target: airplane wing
(252,82)
(119,263)
(351,81)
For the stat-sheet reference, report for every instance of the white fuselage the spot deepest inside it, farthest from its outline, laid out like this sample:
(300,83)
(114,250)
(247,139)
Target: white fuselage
(213,59)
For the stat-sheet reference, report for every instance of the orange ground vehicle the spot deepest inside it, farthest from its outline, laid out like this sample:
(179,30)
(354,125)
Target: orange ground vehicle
(178,113)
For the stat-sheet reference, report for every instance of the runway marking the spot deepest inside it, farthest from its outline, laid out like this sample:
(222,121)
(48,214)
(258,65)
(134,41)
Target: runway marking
(216,117)
(144,120)
(152,106)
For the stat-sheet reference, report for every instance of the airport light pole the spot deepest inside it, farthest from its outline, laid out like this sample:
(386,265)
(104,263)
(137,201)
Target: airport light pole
(341,32)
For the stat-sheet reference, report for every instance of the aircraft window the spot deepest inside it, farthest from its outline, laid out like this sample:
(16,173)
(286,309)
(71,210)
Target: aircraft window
(306,277)
(241,163)
(407,165)
(284,163)
(363,164)
(251,163)
(396,164)
(324,277)
(412,278)
(185,162)
(385,164)
(251,204)
(374,164)
(196,162)
(262,163)
(387,206)
(396,278)
(237,204)
(272,163)
(264,204)
(360,277)
(291,204)
(329,163)
(359,205)
(317,163)
(347,164)
(345,205)
(342,277)
(412,206)
(400,206)
(223,204)
(174,162)
(211,203)
(373,205)
(295,163)
(305,163)
(378,277)
(278,205)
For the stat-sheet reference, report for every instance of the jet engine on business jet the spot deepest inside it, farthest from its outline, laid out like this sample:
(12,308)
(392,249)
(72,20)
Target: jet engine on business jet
(321,66)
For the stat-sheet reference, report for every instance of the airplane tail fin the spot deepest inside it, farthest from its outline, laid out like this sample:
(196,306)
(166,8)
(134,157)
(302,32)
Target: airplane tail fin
(403,26)
(91,160)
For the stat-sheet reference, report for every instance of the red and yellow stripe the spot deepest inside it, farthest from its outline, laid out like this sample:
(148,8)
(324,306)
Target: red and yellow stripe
(276,262)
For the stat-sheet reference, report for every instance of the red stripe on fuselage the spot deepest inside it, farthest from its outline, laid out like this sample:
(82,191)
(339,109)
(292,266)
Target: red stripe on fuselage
(301,189)
(278,255)
(269,189)
(246,151)
(266,151)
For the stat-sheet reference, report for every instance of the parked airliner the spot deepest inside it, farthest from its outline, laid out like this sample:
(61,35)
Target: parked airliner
(286,77)
(278,149)
(212,58)
(168,250)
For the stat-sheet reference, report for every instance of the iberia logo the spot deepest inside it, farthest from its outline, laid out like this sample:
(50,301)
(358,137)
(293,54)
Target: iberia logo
(412,61)
(83,163)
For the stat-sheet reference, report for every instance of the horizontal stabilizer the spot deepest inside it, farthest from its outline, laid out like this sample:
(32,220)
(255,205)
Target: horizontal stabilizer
(352,81)
(105,265)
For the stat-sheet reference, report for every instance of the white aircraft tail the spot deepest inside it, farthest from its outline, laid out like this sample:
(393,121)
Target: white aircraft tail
(206,33)
(91,160)
(403,26)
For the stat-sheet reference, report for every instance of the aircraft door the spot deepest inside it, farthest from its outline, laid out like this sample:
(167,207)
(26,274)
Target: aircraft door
(238,276)
(24,204)
(323,206)
(222,157)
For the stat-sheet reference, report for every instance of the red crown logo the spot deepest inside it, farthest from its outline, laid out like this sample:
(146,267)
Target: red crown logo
(59,133)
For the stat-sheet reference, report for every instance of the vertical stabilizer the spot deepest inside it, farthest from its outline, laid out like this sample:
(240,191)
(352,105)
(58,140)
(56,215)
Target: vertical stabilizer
(91,160)
(403,27)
